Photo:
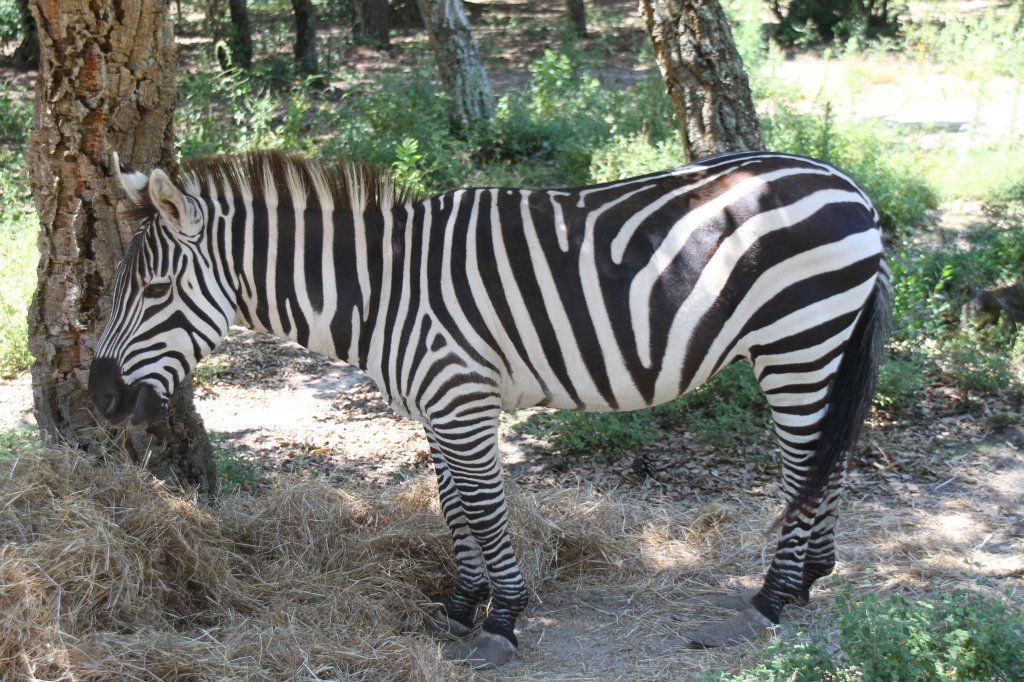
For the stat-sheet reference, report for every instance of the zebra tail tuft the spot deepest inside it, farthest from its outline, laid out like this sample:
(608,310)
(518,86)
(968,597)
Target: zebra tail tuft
(849,399)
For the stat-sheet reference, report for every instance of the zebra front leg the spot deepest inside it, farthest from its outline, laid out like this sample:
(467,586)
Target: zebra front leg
(456,616)
(468,447)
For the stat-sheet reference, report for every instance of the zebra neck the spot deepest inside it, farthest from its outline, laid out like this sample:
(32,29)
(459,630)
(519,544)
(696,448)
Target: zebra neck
(309,276)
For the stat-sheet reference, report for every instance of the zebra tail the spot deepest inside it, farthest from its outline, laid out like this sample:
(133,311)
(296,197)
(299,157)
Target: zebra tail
(849,399)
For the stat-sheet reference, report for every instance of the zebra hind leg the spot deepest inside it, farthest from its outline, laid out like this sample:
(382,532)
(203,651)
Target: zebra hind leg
(456,615)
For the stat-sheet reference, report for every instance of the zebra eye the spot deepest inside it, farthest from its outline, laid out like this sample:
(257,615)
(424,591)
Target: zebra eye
(156,289)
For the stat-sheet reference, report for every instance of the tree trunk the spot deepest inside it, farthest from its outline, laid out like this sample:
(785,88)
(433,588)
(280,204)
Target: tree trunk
(577,17)
(458,61)
(371,23)
(240,34)
(27,52)
(106,82)
(305,37)
(704,76)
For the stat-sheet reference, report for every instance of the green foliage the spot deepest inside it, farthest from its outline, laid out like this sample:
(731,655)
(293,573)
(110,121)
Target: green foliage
(931,286)
(16,440)
(373,122)
(746,19)
(957,637)
(975,47)
(626,156)
(601,434)
(406,167)
(983,362)
(10,21)
(233,471)
(901,379)
(18,227)
(805,22)
(729,411)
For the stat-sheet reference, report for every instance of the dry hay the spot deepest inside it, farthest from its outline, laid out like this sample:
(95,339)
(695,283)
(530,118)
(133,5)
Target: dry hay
(105,574)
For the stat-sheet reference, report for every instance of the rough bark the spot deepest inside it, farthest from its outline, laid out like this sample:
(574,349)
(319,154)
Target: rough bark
(577,17)
(371,23)
(704,76)
(305,37)
(458,62)
(106,82)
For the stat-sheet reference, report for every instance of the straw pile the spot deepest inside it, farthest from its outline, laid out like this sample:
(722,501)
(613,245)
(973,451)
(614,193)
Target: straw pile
(105,574)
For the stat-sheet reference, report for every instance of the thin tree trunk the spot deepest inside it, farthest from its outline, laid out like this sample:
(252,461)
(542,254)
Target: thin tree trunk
(372,22)
(106,82)
(577,17)
(305,37)
(704,76)
(240,33)
(458,62)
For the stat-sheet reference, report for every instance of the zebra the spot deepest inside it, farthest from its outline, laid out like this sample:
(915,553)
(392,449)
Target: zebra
(610,297)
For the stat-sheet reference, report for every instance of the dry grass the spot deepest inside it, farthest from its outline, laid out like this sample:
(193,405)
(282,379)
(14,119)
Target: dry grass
(105,574)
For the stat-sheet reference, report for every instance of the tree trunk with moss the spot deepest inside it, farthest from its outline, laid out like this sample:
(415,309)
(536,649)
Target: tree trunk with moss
(704,76)
(106,83)
(458,62)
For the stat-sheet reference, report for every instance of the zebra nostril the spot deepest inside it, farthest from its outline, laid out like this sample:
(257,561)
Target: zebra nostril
(106,386)
(107,403)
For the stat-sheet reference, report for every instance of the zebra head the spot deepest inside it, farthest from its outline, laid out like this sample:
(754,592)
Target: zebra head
(170,306)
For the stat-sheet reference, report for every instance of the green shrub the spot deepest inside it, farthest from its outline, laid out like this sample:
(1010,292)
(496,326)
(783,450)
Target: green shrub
(16,440)
(631,155)
(957,637)
(902,379)
(233,471)
(18,228)
(975,47)
(601,434)
(729,411)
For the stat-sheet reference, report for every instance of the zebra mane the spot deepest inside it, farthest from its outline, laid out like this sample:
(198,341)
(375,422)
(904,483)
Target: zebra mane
(294,180)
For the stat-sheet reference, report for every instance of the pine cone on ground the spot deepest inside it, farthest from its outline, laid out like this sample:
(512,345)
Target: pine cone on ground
(645,465)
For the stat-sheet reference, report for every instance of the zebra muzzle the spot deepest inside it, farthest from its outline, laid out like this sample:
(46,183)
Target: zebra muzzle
(118,402)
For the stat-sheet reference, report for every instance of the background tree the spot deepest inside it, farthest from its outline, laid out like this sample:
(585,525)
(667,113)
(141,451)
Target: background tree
(232,39)
(371,22)
(704,76)
(458,61)
(305,37)
(240,34)
(577,17)
(106,82)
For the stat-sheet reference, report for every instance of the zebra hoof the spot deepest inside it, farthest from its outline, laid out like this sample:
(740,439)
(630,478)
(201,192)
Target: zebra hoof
(438,623)
(486,650)
(743,627)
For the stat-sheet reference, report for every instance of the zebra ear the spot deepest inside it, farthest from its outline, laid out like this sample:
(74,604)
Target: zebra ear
(170,202)
(132,181)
